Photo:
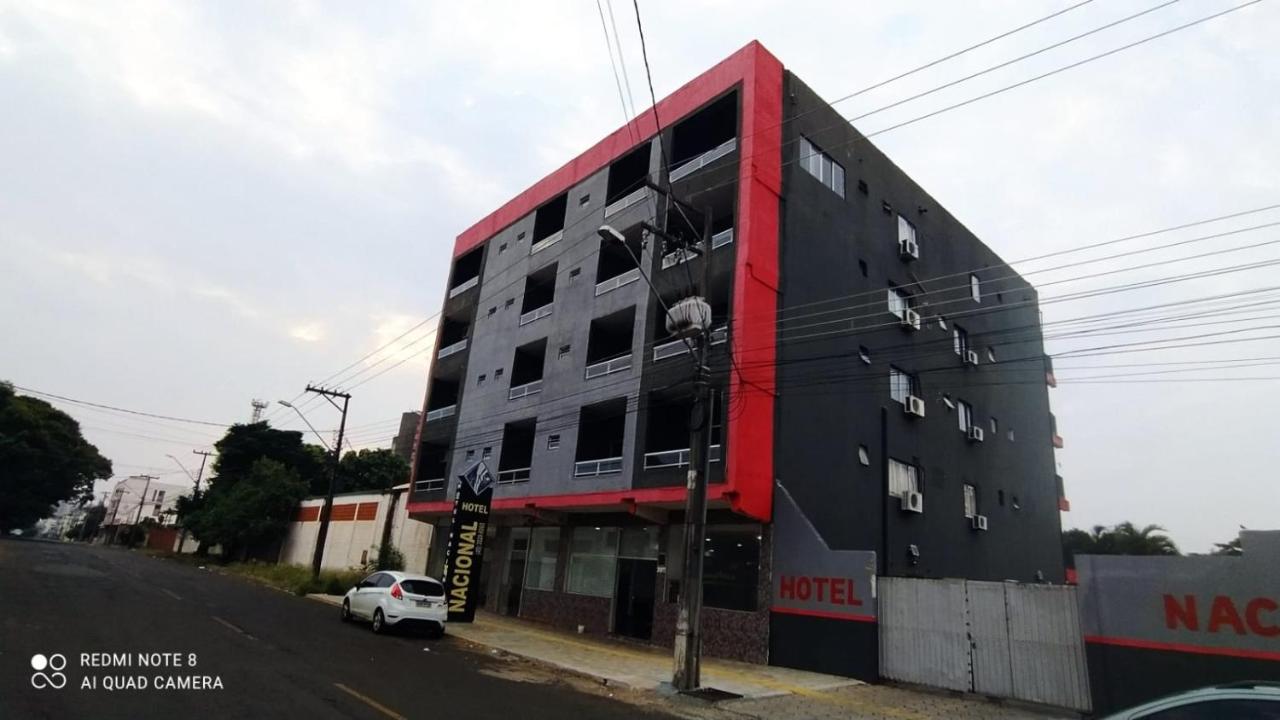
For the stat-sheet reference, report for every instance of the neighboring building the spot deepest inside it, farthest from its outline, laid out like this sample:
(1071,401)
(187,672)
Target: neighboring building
(158,505)
(402,443)
(357,528)
(554,365)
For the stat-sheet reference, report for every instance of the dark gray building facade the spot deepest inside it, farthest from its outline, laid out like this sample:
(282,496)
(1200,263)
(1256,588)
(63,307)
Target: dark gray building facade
(871,358)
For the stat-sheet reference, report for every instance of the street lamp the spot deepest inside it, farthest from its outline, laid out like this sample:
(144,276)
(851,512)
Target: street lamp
(294,408)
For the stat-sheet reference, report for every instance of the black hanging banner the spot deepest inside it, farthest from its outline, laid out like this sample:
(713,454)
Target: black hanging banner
(471,505)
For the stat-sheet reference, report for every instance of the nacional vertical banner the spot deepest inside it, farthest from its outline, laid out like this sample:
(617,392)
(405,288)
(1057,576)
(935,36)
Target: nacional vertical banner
(471,504)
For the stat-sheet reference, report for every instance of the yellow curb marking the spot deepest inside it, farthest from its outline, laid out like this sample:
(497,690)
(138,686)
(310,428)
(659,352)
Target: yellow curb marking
(370,702)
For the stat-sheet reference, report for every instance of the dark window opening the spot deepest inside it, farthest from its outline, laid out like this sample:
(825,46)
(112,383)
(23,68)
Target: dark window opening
(705,130)
(549,219)
(443,394)
(553,442)
(731,567)
(601,429)
(517,451)
(618,258)
(667,427)
(539,289)
(528,363)
(628,174)
(862,265)
(433,460)
(466,271)
(687,225)
(453,332)
(564,351)
(611,336)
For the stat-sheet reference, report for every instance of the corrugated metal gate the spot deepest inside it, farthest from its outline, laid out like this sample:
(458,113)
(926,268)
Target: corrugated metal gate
(1001,639)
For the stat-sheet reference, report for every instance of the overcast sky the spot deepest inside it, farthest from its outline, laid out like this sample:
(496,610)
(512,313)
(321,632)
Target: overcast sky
(205,203)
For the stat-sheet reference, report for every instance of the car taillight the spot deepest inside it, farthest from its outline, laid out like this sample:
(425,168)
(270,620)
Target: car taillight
(395,592)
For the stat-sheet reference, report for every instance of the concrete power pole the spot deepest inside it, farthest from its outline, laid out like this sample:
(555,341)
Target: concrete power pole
(323,534)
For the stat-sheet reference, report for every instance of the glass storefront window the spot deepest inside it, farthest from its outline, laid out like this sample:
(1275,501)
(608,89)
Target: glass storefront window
(543,550)
(593,561)
(731,567)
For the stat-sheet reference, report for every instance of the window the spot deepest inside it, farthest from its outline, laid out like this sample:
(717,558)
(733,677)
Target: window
(498,373)
(471,454)
(864,354)
(901,385)
(899,301)
(965,415)
(1242,708)
(995,427)
(821,166)
(1000,497)
(509,303)
(975,288)
(480,380)
(1011,435)
(564,351)
(386,580)
(573,275)
(970,501)
(592,561)
(584,200)
(731,567)
(486,453)
(540,573)
(903,477)
(862,266)
(502,248)
(959,340)
(553,442)
(906,231)
(159,497)
(991,354)
(946,400)
(863,456)
(942,322)
(493,310)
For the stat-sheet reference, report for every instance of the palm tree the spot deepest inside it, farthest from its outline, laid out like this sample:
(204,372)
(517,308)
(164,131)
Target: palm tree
(1123,539)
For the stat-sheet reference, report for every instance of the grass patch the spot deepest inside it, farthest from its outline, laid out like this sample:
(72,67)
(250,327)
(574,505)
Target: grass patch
(297,578)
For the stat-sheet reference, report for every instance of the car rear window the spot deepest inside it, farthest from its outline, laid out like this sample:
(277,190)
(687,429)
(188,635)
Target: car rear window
(430,588)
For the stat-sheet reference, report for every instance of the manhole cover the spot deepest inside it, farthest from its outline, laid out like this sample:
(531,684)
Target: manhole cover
(711,694)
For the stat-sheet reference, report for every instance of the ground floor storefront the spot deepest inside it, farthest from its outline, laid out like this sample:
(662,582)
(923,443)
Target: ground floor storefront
(616,575)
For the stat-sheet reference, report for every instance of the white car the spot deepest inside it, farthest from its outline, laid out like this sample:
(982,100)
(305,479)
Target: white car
(395,599)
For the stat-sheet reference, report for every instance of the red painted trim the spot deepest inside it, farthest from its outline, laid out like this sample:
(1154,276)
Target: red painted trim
(828,614)
(1183,648)
(609,497)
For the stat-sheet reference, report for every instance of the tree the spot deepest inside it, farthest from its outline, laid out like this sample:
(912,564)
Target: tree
(1233,548)
(1122,539)
(254,510)
(43,459)
(244,445)
(372,470)
(89,523)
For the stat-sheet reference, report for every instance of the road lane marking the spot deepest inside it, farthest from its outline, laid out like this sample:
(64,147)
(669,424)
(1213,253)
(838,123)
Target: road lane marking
(233,627)
(171,593)
(370,702)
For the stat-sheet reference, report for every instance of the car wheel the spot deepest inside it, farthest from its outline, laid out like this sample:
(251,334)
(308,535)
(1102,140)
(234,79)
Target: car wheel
(346,611)
(379,623)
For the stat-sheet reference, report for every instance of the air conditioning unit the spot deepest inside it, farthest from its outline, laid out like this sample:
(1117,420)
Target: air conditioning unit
(908,249)
(913,501)
(975,433)
(910,319)
(914,406)
(971,357)
(980,522)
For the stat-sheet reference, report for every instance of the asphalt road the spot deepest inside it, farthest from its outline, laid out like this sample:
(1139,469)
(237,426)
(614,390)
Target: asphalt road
(275,655)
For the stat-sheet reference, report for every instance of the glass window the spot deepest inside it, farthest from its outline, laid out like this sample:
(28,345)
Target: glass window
(906,231)
(863,456)
(970,501)
(960,340)
(965,415)
(837,178)
(902,477)
(822,166)
(385,580)
(975,288)
(540,573)
(731,567)
(899,301)
(553,442)
(641,542)
(592,561)
(900,385)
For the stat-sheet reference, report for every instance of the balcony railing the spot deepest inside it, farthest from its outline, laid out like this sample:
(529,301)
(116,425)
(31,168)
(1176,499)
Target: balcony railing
(546,242)
(704,159)
(619,205)
(608,367)
(676,257)
(674,458)
(722,238)
(530,388)
(510,477)
(453,349)
(428,485)
(614,283)
(442,413)
(536,314)
(669,349)
(591,468)
(463,286)
(719,335)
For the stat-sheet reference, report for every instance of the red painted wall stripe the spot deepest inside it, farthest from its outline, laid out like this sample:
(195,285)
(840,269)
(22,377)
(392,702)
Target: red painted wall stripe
(827,614)
(1183,647)
(611,497)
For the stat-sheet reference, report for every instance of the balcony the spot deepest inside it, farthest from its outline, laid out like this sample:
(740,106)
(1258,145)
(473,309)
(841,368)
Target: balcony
(722,238)
(619,205)
(670,349)
(511,477)
(675,458)
(525,390)
(720,335)
(453,349)
(608,367)
(536,314)
(442,413)
(428,485)
(592,468)
(704,159)
(677,257)
(546,242)
(617,281)
(463,286)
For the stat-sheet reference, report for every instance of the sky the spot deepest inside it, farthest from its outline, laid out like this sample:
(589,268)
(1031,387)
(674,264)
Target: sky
(206,203)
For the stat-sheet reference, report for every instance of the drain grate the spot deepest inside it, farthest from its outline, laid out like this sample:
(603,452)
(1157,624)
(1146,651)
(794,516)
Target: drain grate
(711,694)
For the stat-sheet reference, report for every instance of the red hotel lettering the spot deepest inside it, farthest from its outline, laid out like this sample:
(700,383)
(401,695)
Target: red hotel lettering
(1223,614)
(832,590)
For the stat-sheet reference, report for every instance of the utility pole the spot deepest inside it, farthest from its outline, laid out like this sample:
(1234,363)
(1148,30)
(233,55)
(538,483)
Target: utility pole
(142,501)
(204,457)
(325,511)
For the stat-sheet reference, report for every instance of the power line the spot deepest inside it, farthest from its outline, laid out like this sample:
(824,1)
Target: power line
(41,393)
(626,114)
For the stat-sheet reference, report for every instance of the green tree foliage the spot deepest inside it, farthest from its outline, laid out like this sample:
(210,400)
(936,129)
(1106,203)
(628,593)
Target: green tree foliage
(372,470)
(43,459)
(89,524)
(1123,539)
(244,445)
(1233,548)
(251,511)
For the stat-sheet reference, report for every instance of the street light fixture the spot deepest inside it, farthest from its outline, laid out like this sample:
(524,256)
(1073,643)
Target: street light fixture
(294,408)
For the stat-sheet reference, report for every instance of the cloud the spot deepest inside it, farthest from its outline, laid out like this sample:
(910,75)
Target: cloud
(308,332)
